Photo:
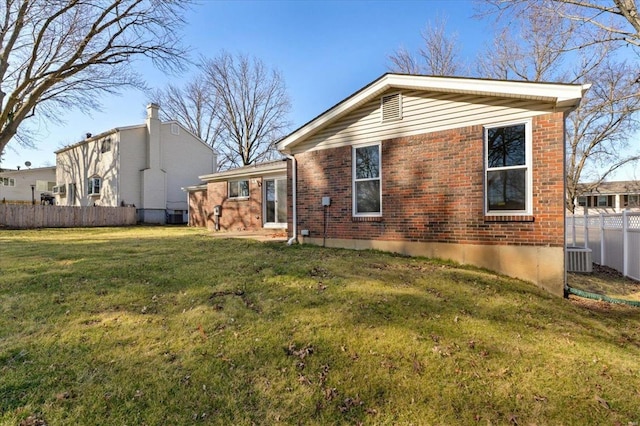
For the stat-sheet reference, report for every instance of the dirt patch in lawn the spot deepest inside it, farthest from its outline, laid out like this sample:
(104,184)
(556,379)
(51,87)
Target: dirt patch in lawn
(607,282)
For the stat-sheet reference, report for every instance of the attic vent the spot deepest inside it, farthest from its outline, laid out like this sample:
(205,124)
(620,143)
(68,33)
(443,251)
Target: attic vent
(391,107)
(175,129)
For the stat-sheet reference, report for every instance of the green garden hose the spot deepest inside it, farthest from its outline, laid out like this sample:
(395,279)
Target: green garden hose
(595,296)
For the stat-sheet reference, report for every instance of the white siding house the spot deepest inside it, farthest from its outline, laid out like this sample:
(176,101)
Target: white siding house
(144,165)
(26,185)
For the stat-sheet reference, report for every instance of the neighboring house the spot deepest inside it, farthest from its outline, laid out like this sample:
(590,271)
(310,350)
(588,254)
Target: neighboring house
(608,197)
(27,185)
(249,198)
(465,169)
(145,166)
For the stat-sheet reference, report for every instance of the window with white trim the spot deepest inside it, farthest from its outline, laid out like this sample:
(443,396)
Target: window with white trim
(367,187)
(7,181)
(508,169)
(94,186)
(239,189)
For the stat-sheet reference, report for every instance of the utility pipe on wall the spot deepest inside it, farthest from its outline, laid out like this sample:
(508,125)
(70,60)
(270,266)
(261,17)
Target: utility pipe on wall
(294,238)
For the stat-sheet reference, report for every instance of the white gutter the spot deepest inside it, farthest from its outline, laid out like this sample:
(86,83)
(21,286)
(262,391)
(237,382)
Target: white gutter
(294,238)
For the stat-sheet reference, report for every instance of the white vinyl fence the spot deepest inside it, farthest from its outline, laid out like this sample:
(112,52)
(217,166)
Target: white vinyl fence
(613,238)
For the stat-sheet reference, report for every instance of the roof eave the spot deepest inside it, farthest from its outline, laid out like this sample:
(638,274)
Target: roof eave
(244,172)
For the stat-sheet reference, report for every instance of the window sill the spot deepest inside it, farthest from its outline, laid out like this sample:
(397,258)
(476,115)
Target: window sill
(509,218)
(366,219)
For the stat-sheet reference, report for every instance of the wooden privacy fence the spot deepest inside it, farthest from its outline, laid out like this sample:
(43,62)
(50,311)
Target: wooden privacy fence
(38,216)
(613,238)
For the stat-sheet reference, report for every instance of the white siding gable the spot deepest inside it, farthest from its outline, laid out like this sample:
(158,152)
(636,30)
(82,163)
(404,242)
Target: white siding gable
(421,112)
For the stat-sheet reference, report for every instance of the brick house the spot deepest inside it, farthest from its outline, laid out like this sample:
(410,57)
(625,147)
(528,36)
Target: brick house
(470,170)
(250,198)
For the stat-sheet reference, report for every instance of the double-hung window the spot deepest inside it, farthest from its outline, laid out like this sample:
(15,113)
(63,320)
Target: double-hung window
(239,189)
(367,188)
(7,182)
(94,185)
(508,169)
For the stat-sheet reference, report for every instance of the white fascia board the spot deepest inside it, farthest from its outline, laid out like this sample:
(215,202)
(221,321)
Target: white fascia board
(332,114)
(562,96)
(546,92)
(194,188)
(93,138)
(258,170)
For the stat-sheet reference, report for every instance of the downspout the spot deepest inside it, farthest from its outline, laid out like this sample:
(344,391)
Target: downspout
(188,207)
(294,191)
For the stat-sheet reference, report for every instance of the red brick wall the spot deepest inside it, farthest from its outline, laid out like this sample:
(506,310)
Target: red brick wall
(197,207)
(237,214)
(432,190)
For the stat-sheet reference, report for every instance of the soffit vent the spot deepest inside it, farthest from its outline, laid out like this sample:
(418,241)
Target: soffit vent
(391,107)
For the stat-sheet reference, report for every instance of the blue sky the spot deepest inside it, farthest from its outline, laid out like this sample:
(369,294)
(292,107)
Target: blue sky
(325,51)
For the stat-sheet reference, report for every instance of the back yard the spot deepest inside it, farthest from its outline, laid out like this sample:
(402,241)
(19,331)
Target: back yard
(170,326)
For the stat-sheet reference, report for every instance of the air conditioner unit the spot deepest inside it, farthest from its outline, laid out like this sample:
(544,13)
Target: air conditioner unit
(579,259)
(175,219)
(60,190)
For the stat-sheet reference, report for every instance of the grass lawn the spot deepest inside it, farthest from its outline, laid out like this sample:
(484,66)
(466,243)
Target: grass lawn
(168,326)
(607,282)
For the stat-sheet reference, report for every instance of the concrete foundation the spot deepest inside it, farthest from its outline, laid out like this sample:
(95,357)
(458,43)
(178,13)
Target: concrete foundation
(543,266)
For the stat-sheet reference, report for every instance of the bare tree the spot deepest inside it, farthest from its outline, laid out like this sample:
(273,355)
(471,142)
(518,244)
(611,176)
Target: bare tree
(599,130)
(540,47)
(403,61)
(61,54)
(532,49)
(193,105)
(615,21)
(252,107)
(437,56)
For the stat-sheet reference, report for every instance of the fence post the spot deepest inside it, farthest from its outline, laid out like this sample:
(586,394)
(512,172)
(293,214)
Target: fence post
(603,257)
(625,242)
(585,234)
